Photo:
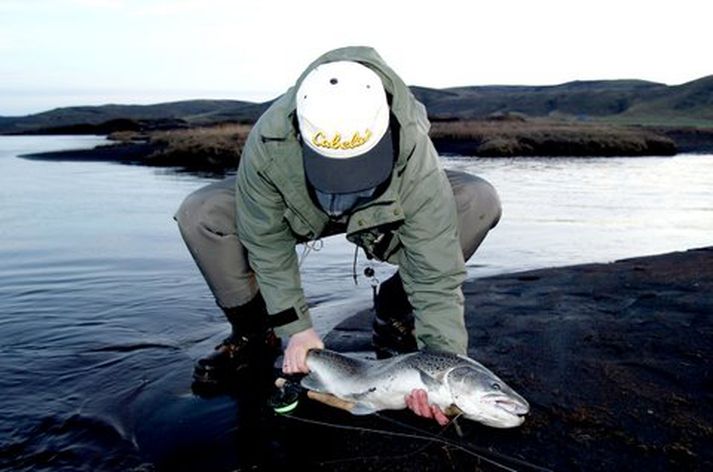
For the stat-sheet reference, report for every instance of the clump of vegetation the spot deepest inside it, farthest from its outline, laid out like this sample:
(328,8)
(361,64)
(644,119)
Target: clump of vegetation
(542,137)
(218,148)
(215,147)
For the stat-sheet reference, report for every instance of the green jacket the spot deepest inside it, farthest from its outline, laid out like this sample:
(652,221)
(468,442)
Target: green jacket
(413,223)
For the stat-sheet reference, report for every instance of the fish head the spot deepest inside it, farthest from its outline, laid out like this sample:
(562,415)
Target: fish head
(485,398)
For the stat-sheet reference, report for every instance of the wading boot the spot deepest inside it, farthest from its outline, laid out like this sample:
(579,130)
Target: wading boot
(393,327)
(251,345)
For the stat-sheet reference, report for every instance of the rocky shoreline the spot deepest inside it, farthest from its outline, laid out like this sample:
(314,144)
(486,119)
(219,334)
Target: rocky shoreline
(615,360)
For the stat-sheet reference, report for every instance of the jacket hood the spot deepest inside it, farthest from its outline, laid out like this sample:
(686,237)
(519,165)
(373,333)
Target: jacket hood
(410,113)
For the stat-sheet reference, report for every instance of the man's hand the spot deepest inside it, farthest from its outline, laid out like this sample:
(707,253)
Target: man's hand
(417,401)
(296,352)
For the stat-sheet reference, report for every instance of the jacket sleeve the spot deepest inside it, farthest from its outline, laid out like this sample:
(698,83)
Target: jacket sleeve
(431,260)
(270,244)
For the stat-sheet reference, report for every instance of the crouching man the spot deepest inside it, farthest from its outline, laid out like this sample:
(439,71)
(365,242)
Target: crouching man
(346,150)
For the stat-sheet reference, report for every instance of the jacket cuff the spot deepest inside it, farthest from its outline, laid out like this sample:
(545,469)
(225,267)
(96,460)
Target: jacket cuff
(291,321)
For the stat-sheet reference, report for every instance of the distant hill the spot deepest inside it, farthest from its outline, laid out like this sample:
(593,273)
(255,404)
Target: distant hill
(596,98)
(162,115)
(692,100)
(625,101)
(617,101)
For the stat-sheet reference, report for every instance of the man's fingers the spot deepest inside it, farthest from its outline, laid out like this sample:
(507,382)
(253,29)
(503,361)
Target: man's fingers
(412,403)
(296,361)
(409,403)
(291,364)
(439,415)
(417,401)
(302,365)
(423,404)
(418,405)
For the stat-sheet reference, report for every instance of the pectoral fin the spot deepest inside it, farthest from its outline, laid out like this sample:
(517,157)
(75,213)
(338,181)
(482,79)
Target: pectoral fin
(313,382)
(428,380)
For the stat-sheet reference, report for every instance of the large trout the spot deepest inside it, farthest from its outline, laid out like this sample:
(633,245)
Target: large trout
(449,379)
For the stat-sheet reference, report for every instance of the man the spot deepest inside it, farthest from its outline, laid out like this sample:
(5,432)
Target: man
(346,150)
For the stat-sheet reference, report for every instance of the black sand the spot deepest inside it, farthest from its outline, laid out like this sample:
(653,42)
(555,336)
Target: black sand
(615,360)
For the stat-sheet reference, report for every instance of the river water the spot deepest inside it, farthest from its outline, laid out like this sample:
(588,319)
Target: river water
(103,311)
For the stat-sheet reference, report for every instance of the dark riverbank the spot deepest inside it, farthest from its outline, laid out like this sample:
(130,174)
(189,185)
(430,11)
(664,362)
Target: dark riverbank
(512,135)
(212,150)
(688,139)
(615,360)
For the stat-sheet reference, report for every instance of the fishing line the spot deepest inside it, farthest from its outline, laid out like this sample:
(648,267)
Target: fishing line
(392,458)
(472,448)
(413,428)
(403,435)
(425,436)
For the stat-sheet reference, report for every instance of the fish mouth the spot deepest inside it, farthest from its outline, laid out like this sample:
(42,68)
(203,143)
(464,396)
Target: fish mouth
(513,407)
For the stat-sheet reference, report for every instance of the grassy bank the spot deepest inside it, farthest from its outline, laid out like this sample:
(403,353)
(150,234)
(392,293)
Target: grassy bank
(209,148)
(219,147)
(539,137)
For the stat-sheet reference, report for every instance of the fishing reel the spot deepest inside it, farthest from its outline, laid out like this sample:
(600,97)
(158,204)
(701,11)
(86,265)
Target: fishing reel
(286,396)
(289,392)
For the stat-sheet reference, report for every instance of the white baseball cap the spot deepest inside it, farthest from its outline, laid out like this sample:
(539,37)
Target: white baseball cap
(343,117)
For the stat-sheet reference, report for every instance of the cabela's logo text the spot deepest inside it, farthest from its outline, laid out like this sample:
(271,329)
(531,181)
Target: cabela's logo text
(320,139)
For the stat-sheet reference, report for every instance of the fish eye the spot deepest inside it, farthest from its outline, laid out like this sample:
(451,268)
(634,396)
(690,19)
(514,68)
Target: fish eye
(496,386)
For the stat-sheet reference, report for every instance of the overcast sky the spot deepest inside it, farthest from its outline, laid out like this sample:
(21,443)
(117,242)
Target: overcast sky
(79,52)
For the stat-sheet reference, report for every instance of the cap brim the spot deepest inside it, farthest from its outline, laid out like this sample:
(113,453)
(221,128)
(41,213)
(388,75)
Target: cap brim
(354,174)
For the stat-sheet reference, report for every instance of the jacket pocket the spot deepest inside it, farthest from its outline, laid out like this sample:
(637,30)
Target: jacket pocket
(387,241)
(392,248)
(380,242)
(299,226)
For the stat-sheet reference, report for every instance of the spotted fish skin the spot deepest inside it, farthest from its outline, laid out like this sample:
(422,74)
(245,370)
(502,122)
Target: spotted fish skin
(449,379)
